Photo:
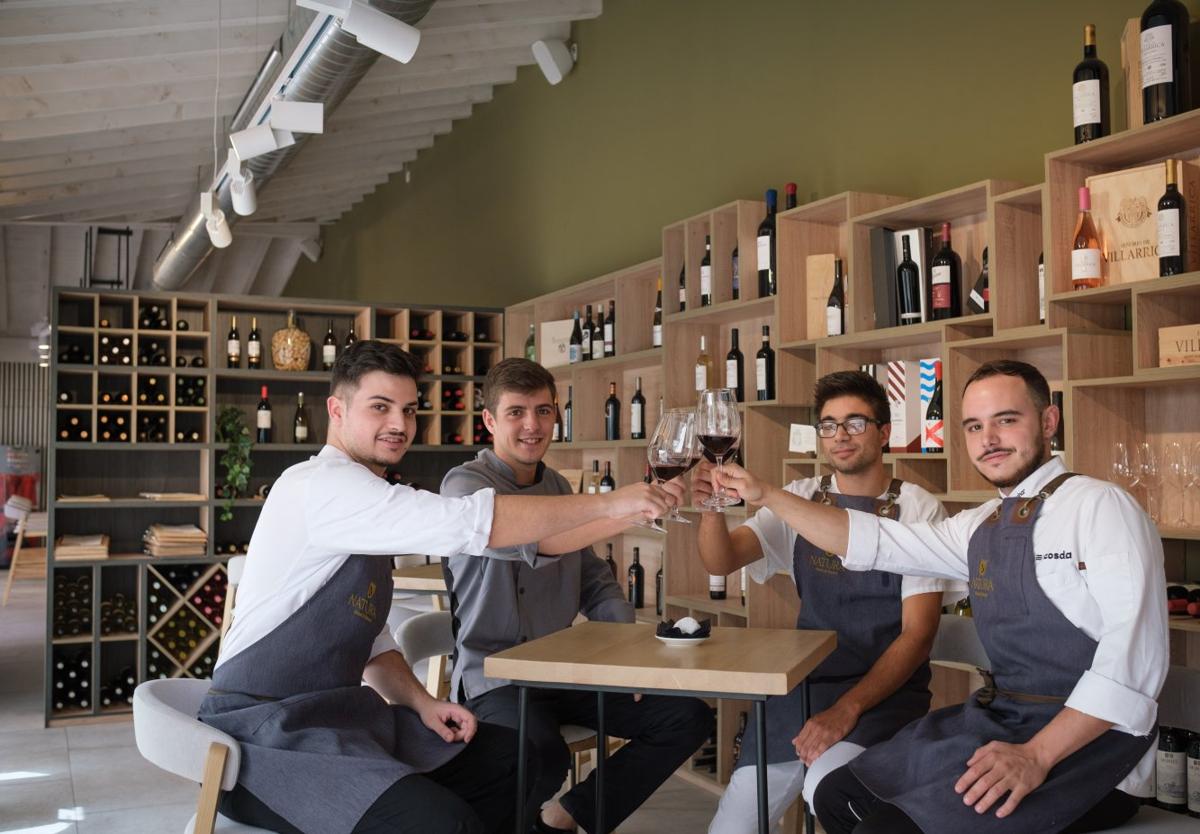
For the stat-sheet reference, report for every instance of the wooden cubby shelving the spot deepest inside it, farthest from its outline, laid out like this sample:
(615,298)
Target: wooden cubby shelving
(123,470)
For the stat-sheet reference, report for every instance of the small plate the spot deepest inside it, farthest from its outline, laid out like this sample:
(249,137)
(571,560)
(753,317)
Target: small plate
(681,641)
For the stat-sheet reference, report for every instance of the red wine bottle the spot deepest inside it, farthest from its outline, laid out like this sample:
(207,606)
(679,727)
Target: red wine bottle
(1165,60)
(637,582)
(908,287)
(575,347)
(263,418)
(1089,92)
(588,328)
(835,306)
(764,367)
(766,248)
(637,414)
(735,369)
(706,293)
(612,414)
(945,276)
(1172,228)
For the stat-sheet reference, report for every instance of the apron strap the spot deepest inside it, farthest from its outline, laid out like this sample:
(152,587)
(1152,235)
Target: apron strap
(887,508)
(1026,508)
(988,692)
(823,490)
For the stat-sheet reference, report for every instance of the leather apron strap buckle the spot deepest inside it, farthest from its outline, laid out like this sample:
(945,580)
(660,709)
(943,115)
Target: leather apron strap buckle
(989,691)
(986,693)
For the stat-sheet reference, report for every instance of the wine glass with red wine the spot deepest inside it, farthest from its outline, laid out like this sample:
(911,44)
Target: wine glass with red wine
(719,430)
(673,450)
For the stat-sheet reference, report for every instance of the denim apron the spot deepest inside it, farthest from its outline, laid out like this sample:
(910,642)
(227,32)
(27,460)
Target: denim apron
(864,608)
(1038,656)
(317,746)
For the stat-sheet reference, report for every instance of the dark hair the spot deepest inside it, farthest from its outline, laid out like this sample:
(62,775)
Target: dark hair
(1035,383)
(515,374)
(853,384)
(367,355)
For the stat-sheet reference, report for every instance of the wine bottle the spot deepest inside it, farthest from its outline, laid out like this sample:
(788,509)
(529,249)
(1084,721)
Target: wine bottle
(1193,776)
(656,326)
(556,435)
(683,288)
(263,418)
(1089,92)
(945,276)
(736,267)
(575,347)
(1171,771)
(735,368)
(637,414)
(704,374)
(636,584)
(233,346)
(764,367)
(1041,287)
(300,423)
(588,328)
(598,333)
(612,414)
(977,300)
(610,330)
(908,287)
(568,422)
(530,346)
(329,349)
(1172,228)
(1058,441)
(593,484)
(1086,257)
(254,345)
(835,306)
(933,439)
(658,594)
(716,586)
(1165,60)
(706,299)
(607,484)
(351,338)
(609,560)
(766,248)
(789,196)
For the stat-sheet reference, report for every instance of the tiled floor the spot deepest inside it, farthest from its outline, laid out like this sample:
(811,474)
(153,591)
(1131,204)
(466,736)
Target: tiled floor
(91,780)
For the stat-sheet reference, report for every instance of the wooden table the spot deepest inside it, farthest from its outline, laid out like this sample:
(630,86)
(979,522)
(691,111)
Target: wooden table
(743,663)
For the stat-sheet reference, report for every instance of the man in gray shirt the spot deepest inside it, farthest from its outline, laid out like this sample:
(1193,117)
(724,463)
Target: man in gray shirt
(521,593)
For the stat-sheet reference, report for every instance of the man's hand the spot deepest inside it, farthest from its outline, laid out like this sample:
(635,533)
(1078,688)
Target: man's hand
(996,769)
(702,486)
(676,490)
(450,721)
(822,731)
(648,501)
(740,483)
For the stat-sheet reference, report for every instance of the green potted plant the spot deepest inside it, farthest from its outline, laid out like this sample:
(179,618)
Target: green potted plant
(232,430)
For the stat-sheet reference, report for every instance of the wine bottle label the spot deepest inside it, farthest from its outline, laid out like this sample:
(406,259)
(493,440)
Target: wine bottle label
(764,252)
(1085,96)
(263,420)
(329,354)
(1042,292)
(636,426)
(656,335)
(609,334)
(731,373)
(586,346)
(716,583)
(605,488)
(682,297)
(557,436)
(574,353)
(701,377)
(1168,233)
(934,438)
(833,321)
(233,347)
(1193,784)
(979,299)
(1085,264)
(940,289)
(254,349)
(760,374)
(301,434)
(1172,787)
(1158,64)
(706,280)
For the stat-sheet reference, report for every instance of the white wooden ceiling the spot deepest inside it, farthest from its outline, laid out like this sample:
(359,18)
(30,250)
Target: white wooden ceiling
(106,117)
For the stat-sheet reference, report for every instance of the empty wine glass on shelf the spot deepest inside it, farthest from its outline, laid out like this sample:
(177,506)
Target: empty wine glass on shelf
(1194,482)
(719,429)
(673,450)
(1123,467)
(1176,475)
(1150,477)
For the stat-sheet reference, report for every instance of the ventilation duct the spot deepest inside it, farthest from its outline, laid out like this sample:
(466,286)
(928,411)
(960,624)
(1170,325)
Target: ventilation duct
(333,61)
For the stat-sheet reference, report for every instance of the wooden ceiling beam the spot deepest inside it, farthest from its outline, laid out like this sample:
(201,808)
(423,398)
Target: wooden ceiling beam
(181,131)
(66,174)
(131,72)
(47,19)
(46,105)
(119,119)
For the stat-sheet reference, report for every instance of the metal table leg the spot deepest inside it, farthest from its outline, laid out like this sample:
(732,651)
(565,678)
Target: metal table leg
(601,754)
(810,822)
(520,826)
(760,732)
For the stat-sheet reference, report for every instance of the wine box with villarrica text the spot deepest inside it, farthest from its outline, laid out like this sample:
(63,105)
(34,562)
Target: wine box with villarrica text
(1179,345)
(1124,208)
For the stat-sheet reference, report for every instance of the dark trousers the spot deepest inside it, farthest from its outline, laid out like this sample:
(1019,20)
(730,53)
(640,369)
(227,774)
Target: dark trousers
(473,793)
(662,731)
(844,805)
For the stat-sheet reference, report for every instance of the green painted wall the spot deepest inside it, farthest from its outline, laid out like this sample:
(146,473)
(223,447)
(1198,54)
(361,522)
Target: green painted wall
(677,106)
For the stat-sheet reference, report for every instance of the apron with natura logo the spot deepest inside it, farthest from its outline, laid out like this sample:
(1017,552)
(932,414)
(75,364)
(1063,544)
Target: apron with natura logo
(864,608)
(317,746)
(1037,658)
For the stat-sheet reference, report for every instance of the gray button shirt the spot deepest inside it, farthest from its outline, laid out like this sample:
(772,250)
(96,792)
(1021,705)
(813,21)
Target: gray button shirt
(510,595)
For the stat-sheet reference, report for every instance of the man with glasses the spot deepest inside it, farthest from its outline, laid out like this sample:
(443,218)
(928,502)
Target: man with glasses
(877,680)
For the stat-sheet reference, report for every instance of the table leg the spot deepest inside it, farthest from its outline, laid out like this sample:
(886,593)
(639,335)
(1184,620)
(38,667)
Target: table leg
(810,822)
(522,712)
(601,754)
(760,732)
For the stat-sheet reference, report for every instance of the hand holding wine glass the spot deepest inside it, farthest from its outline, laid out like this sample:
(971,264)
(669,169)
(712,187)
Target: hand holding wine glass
(743,485)
(719,429)
(672,452)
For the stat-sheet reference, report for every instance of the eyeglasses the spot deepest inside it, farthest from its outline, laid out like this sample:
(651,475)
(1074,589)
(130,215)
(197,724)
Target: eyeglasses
(852,425)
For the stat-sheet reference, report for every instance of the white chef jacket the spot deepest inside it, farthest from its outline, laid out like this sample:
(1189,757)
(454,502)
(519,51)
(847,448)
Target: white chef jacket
(1098,559)
(778,540)
(326,508)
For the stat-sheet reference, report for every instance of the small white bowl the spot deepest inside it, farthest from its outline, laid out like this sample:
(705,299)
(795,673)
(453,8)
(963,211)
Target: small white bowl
(681,641)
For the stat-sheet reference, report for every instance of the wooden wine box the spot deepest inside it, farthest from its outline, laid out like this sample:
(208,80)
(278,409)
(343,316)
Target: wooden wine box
(1179,345)
(819,270)
(1124,208)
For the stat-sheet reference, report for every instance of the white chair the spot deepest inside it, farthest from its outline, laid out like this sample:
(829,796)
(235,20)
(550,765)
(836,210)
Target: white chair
(27,562)
(234,569)
(430,636)
(169,736)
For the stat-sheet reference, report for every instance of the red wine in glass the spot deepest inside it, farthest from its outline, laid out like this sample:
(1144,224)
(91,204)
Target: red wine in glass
(718,447)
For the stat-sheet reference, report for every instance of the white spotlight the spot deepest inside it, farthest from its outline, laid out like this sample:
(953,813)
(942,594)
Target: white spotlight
(253,141)
(312,248)
(297,116)
(241,189)
(373,28)
(554,58)
(214,221)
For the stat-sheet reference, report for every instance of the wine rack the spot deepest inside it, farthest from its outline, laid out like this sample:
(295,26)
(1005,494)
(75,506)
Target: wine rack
(138,381)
